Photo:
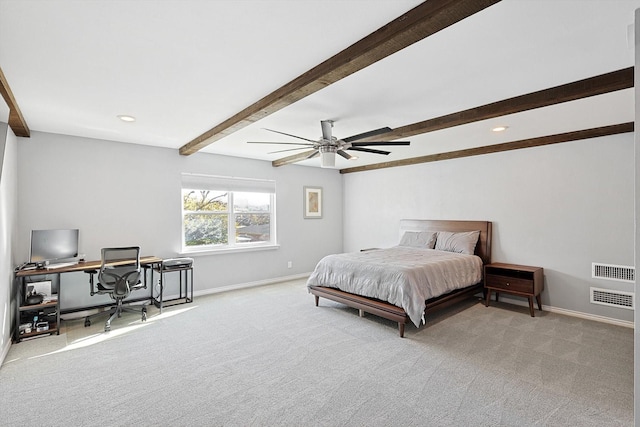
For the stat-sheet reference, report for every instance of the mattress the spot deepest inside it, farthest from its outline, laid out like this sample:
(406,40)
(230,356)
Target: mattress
(403,276)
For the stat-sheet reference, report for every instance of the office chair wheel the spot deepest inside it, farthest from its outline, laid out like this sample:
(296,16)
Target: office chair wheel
(107,328)
(144,316)
(87,322)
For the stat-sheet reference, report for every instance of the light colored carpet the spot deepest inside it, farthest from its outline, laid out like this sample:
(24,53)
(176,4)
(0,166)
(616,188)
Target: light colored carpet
(268,356)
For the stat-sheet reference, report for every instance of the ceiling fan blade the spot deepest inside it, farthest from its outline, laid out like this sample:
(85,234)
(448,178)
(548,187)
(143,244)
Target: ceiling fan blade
(345,155)
(367,134)
(280,143)
(314,154)
(326,129)
(288,134)
(369,150)
(364,144)
(294,158)
(288,149)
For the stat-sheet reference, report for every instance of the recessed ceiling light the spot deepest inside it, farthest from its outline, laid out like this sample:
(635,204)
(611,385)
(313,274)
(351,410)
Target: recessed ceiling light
(499,128)
(126,118)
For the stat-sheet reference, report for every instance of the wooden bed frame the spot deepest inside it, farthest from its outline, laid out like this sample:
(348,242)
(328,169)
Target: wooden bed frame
(397,314)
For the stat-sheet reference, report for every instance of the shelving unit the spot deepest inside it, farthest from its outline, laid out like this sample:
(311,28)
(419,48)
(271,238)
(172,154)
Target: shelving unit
(48,312)
(182,266)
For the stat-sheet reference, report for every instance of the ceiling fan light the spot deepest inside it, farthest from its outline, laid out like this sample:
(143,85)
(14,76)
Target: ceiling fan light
(328,156)
(327,160)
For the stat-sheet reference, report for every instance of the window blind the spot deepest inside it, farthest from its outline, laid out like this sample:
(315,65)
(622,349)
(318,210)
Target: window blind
(226,183)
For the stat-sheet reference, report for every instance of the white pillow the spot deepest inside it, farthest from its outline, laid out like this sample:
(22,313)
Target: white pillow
(463,242)
(419,239)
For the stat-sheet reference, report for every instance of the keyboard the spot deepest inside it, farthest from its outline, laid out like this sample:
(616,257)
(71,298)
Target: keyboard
(60,265)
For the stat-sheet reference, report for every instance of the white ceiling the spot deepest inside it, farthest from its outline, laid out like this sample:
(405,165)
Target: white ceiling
(181,67)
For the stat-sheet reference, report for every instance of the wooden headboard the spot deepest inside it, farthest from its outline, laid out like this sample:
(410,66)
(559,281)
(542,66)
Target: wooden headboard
(483,248)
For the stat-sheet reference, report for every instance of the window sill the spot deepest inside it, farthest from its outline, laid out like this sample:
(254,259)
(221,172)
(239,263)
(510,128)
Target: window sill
(235,249)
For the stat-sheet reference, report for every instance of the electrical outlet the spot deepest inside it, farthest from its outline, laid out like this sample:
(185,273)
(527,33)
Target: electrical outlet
(289,264)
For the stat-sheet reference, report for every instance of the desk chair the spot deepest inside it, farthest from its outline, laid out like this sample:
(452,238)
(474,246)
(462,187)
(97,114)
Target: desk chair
(119,275)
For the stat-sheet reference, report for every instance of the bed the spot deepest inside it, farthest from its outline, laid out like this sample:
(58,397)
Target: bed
(405,282)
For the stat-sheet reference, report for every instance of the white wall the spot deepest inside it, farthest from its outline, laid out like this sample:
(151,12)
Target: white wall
(122,194)
(8,229)
(559,207)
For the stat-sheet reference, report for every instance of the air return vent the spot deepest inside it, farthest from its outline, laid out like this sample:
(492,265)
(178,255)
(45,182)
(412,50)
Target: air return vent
(613,298)
(621,273)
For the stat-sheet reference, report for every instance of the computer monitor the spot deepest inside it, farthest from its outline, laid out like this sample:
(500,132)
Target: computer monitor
(54,246)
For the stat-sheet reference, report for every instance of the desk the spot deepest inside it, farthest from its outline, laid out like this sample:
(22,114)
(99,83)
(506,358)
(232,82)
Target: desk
(147,261)
(82,266)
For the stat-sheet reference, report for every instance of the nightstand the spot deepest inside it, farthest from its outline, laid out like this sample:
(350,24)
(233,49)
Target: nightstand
(520,280)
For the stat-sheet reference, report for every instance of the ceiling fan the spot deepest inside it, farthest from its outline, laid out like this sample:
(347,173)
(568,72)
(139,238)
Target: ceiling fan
(328,145)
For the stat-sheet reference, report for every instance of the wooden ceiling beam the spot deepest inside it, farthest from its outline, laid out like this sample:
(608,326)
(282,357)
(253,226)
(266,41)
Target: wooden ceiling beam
(418,23)
(292,159)
(507,146)
(592,86)
(16,121)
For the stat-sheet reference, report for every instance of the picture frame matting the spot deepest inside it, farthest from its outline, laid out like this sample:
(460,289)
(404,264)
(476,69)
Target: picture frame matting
(312,202)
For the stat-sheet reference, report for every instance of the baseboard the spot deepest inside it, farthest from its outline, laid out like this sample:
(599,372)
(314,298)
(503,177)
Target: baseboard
(603,319)
(5,351)
(581,315)
(248,285)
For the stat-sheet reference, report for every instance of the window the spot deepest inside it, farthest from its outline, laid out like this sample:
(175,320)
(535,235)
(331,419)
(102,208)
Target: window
(227,213)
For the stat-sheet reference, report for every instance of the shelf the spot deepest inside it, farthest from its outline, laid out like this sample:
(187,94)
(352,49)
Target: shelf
(52,330)
(39,306)
(48,312)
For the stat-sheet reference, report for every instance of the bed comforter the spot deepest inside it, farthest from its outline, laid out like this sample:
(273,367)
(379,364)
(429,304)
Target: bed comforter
(403,276)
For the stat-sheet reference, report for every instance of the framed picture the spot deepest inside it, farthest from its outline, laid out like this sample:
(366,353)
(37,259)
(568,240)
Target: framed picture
(313,202)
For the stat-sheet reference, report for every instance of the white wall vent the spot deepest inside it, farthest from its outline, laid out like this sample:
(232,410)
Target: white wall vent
(620,273)
(612,298)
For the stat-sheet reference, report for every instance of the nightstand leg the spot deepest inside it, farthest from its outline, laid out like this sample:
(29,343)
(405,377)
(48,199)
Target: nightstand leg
(488,298)
(539,300)
(531,306)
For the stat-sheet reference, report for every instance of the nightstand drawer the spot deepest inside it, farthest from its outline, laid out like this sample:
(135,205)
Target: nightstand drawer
(509,283)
